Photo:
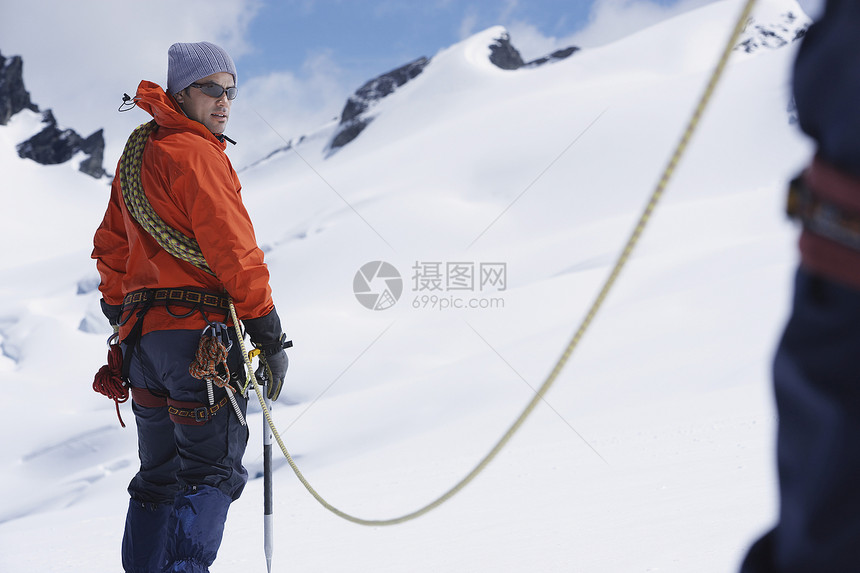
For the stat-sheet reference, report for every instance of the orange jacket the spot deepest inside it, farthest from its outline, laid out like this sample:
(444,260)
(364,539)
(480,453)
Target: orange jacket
(191,184)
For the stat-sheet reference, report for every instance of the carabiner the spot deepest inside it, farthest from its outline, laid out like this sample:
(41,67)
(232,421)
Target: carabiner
(221,332)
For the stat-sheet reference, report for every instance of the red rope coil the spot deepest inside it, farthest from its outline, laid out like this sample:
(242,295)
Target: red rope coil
(108,380)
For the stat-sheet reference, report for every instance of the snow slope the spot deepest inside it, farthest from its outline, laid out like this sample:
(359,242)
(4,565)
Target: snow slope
(653,450)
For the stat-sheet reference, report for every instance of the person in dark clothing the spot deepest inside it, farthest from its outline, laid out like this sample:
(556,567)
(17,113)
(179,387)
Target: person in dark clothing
(816,369)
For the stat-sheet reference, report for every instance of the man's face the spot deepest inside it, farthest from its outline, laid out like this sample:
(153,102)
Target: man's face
(210,111)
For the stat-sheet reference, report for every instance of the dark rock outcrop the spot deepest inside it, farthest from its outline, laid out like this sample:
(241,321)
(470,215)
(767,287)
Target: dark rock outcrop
(13,96)
(553,57)
(353,118)
(94,147)
(504,55)
(379,87)
(53,145)
(772,35)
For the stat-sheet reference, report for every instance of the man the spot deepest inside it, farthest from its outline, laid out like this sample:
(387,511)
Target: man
(190,443)
(817,367)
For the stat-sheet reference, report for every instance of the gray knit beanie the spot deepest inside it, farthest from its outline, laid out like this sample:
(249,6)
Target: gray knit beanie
(189,62)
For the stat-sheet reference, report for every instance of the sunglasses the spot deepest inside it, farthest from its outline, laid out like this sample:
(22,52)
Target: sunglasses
(216,91)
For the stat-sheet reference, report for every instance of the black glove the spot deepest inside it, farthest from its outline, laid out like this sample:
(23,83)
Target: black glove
(266,334)
(113,312)
(277,363)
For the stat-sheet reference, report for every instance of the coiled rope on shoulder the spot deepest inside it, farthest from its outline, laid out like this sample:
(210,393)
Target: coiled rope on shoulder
(174,242)
(621,261)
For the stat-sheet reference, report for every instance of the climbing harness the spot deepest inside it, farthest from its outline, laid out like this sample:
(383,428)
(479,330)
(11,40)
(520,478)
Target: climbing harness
(109,380)
(185,413)
(822,217)
(621,261)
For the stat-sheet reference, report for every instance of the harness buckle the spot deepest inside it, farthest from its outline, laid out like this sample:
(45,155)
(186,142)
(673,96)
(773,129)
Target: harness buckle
(201,414)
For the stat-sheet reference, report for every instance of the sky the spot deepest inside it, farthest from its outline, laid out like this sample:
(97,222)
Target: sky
(298,60)
(377,36)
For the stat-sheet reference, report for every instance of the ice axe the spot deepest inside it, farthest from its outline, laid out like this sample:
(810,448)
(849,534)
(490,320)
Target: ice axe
(268,517)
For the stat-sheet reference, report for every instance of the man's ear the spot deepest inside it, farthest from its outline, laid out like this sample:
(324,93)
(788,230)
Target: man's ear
(180,99)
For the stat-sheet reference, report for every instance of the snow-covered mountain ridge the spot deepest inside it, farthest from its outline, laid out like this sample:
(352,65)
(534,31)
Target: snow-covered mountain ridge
(542,170)
(774,26)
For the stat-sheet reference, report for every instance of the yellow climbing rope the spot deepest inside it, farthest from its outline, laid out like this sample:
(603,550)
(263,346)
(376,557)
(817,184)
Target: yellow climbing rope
(656,195)
(171,240)
(187,249)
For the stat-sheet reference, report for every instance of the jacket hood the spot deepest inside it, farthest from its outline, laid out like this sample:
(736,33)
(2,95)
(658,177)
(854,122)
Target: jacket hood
(152,98)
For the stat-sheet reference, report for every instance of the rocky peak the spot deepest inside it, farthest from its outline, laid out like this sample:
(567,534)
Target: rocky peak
(353,118)
(504,55)
(553,57)
(52,145)
(13,96)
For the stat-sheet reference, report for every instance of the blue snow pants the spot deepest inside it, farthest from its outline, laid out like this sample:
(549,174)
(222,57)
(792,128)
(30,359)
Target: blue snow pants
(817,366)
(817,387)
(189,474)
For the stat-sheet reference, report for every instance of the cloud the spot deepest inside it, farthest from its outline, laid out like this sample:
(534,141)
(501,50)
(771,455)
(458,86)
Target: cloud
(468,23)
(530,42)
(79,57)
(611,20)
(284,105)
(508,9)
(608,20)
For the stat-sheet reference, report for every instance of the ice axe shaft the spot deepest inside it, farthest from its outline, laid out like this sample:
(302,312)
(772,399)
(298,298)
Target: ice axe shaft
(268,517)
(268,513)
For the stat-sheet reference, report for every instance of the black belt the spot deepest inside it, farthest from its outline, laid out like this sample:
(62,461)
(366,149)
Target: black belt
(187,297)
